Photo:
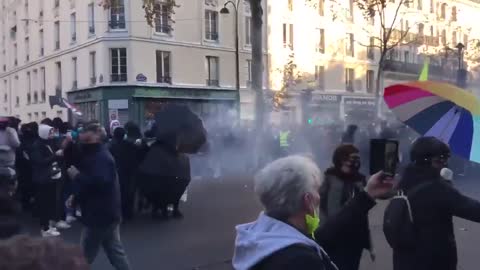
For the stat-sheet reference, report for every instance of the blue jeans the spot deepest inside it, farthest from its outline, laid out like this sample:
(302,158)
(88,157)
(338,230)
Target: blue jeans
(108,238)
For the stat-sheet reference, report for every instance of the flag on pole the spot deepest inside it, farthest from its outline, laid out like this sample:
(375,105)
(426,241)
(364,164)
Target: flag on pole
(424,74)
(62,102)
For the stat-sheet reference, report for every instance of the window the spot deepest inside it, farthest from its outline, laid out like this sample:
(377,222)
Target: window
(248,29)
(370,80)
(321,41)
(290,5)
(211,25)
(35,97)
(443,11)
(371,49)
(284,35)
(74,73)
(119,65)
(17,101)
(42,43)
(73,27)
(421,27)
(406,56)
(44,115)
(212,71)
(162,21)
(93,70)
(465,40)
(349,78)
(36,117)
(407,3)
(117,15)
(432,6)
(350,10)
(58,87)
(57,3)
(163,67)
(444,37)
(320,77)
(27,26)
(35,79)
(454,38)
(57,35)
(321,7)
(15,52)
(249,73)
(454,14)
(419,4)
(29,82)
(431,30)
(27,49)
(349,48)
(291,36)
(91,19)
(42,84)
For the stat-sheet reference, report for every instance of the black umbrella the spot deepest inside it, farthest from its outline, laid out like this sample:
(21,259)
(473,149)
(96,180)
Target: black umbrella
(180,127)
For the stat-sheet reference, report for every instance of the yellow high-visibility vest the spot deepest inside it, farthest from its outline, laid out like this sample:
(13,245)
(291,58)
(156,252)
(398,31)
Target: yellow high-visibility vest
(284,138)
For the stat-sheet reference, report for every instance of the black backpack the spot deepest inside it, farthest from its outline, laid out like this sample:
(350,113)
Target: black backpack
(398,223)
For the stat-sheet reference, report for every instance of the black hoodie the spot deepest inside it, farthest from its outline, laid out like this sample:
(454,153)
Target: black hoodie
(433,208)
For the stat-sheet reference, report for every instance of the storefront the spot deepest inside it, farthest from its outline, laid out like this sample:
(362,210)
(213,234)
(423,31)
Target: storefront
(325,109)
(359,110)
(140,103)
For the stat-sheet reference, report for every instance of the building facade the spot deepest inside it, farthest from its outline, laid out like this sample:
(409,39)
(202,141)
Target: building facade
(111,63)
(333,48)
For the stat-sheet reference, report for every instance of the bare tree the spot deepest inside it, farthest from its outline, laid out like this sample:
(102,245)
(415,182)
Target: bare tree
(388,14)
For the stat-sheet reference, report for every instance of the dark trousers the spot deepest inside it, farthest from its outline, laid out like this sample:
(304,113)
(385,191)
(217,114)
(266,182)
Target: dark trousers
(127,191)
(164,191)
(108,238)
(47,203)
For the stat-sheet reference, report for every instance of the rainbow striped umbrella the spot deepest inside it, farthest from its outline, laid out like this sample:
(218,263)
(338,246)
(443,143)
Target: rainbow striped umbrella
(441,110)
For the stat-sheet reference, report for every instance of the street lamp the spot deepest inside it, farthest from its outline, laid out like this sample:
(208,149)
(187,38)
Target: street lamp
(225,10)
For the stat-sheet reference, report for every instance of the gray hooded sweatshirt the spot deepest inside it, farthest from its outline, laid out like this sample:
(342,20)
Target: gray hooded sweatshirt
(258,240)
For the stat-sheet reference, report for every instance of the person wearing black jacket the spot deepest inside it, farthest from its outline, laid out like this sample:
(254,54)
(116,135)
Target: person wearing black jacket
(125,154)
(282,238)
(46,174)
(433,207)
(98,194)
(342,183)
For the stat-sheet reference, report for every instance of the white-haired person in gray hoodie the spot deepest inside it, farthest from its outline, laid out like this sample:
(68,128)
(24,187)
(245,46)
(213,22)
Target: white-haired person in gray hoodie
(286,235)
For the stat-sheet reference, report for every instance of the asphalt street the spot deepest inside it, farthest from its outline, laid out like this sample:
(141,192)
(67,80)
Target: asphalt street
(204,238)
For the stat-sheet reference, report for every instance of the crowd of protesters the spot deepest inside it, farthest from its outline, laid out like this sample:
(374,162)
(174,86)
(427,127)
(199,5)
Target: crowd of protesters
(312,220)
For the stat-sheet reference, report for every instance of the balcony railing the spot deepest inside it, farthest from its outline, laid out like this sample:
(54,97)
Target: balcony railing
(164,79)
(213,82)
(410,68)
(118,77)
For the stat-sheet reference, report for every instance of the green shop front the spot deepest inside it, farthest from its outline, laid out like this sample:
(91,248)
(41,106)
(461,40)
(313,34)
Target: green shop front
(141,103)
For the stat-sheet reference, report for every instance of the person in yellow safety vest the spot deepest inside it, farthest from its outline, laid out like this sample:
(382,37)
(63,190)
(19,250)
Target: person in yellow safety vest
(284,139)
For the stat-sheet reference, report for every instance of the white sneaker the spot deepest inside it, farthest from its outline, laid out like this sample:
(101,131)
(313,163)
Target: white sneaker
(70,219)
(62,225)
(50,233)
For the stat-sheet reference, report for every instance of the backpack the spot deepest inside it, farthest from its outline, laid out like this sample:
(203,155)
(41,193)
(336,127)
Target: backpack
(398,223)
